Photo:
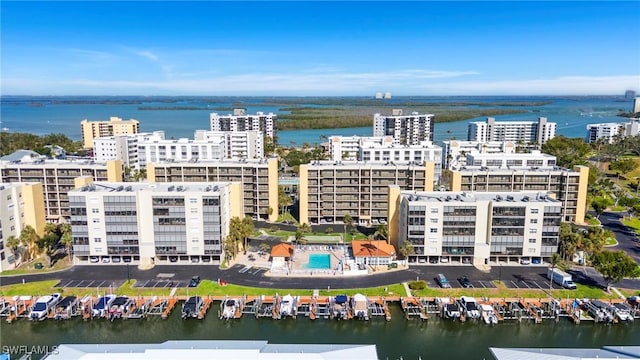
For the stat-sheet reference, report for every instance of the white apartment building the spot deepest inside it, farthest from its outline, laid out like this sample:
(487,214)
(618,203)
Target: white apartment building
(123,147)
(155,223)
(404,129)
(115,126)
(383,148)
(534,159)
(454,152)
(476,227)
(524,132)
(22,204)
(136,151)
(239,121)
(609,131)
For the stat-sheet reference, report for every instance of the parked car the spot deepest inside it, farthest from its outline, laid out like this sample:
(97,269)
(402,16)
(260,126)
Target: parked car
(194,281)
(126,259)
(115,260)
(444,260)
(465,282)
(173,259)
(466,260)
(525,261)
(106,260)
(442,281)
(94,259)
(433,260)
(536,261)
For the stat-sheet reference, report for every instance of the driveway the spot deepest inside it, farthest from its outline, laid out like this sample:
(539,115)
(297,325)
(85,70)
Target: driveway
(626,238)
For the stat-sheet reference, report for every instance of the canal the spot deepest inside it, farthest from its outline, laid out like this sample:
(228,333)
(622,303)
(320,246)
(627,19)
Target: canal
(397,338)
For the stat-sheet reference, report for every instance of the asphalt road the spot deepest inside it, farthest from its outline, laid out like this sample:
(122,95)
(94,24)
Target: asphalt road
(92,276)
(627,240)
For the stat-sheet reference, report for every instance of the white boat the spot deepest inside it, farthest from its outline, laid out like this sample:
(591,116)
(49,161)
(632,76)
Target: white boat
(470,307)
(623,312)
(42,306)
(360,306)
(451,311)
(489,314)
(229,309)
(101,308)
(119,307)
(286,306)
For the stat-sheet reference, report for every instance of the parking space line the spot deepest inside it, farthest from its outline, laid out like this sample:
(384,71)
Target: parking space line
(514,284)
(90,284)
(539,287)
(482,284)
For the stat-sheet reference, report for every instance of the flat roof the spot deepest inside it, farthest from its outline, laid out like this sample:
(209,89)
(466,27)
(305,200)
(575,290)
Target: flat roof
(222,163)
(471,197)
(215,349)
(363,164)
(607,352)
(105,186)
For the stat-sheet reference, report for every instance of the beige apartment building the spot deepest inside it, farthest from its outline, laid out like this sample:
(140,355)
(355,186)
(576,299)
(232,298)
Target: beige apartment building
(329,190)
(259,178)
(22,204)
(568,186)
(115,126)
(57,178)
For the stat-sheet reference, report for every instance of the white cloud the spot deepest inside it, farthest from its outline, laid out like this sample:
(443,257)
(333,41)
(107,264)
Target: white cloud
(147,54)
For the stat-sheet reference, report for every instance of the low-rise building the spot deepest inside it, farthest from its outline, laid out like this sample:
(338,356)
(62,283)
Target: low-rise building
(22,204)
(373,252)
(533,159)
(151,223)
(259,179)
(475,227)
(330,190)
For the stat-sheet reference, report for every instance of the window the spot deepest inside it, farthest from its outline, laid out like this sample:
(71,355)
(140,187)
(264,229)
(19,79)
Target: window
(433,230)
(532,241)
(11,218)
(434,220)
(534,211)
(434,210)
(534,221)
(533,231)
(194,210)
(95,210)
(96,221)
(193,200)
(531,250)
(97,239)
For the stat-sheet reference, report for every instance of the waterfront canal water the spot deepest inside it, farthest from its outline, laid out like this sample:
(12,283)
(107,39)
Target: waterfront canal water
(409,339)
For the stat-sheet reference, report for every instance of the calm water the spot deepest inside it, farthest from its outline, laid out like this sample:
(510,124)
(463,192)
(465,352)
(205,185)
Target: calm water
(435,339)
(571,114)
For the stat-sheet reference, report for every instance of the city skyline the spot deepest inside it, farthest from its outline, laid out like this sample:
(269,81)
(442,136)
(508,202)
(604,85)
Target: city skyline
(319,48)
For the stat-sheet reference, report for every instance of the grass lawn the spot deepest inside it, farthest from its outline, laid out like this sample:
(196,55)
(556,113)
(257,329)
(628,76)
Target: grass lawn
(591,220)
(633,223)
(27,268)
(208,287)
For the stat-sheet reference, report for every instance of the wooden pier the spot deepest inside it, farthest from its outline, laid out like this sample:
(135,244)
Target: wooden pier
(169,305)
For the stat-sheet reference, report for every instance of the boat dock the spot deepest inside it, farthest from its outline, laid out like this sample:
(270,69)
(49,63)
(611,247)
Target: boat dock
(412,308)
(19,307)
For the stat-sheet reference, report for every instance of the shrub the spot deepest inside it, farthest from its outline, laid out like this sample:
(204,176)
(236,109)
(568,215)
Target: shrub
(418,285)
(328,230)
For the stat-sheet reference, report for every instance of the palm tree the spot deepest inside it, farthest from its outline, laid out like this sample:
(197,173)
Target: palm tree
(247,228)
(28,238)
(406,249)
(305,228)
(348,221)
(13,243)
(382,231)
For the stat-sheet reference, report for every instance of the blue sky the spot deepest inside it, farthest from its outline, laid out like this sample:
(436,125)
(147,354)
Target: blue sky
(325,48)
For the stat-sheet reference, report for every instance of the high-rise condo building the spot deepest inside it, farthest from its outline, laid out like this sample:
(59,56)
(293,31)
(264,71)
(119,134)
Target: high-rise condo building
(330,190)
(526,133)
(22,204)
(477,228)
(259,180)
(115,126)
(239,121)
(149,223)
(404,129)
(57,177)
(454,152)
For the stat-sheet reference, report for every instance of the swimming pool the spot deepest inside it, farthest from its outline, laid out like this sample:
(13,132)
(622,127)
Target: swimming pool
(319,261)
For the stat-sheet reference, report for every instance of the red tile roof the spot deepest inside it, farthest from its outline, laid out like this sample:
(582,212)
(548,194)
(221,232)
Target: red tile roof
(282,250)
(373,248)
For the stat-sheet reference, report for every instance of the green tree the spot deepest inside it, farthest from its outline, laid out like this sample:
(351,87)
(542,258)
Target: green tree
(406,249)
(570,241)
(13,243)
(568,151)
(269,146)
(48,244)
(284,200)
(600,204)
(623,166)
(247,230)
(29,238)
(299,237)
(348,222)
(382,231)
(615,266)
(67,241)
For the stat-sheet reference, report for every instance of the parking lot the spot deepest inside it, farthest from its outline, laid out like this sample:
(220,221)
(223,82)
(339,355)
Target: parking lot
(249,270)
(90,283)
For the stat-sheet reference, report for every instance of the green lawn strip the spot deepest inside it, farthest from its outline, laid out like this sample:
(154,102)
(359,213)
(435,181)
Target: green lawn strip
(610,242)
(208,287)
(633,223)
(28,268)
